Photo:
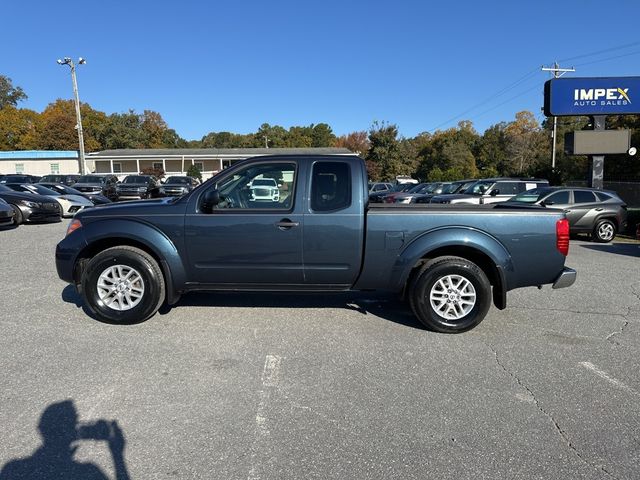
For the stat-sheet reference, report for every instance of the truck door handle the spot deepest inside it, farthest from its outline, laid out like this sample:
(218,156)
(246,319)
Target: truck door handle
(599,209)
(286,224)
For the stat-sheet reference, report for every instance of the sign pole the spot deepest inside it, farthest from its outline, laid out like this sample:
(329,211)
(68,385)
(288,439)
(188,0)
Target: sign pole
(597,161)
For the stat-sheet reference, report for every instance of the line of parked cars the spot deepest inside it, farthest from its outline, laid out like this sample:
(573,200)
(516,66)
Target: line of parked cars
(600,213)
(29,198)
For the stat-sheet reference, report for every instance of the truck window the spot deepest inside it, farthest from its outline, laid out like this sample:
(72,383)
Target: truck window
(330,186)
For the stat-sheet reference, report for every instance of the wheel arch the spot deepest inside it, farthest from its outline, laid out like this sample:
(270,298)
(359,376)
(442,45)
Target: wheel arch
(138,235)
(476,246)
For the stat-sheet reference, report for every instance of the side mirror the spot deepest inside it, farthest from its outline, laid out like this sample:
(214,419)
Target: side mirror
(211,199)
(546,203)
(494,192)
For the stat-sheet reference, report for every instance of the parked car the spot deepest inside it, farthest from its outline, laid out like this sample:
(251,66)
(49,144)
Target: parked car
(492,190)
(378,197)
(18,178)
(98,184)
(409,197)
(601,213)
(449,188)
(7,214)
(450,262)
(137,187)
(70,204)
(68,180)
(380,187)
(264,189)
(95,198)
(31,207)
(175,186)
(391,197)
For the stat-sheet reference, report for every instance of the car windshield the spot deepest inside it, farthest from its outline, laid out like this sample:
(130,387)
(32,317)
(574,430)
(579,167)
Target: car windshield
(91,179)
(179,180)
(417,188)
(263,182)
(479,188)
(136,179)
(531,196)
(5,189)
(40,189)
(450,188)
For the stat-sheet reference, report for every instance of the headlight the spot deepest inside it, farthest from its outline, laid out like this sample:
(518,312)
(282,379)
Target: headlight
(29,204)
(142,189)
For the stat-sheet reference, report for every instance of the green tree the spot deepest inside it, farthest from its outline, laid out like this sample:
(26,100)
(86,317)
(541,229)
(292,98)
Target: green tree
(10,95)
(322,135)
(384,159)
(194,172)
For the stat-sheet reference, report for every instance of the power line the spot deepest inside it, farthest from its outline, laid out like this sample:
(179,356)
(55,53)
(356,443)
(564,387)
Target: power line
(509,87)
(600,51)
(609,58)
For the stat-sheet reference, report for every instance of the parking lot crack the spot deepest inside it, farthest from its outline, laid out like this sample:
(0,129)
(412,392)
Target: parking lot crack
(566,310)
(558,429)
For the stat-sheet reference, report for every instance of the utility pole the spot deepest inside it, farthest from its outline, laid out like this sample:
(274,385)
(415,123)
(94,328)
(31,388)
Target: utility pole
(81,61)
(266,142)
(557,73)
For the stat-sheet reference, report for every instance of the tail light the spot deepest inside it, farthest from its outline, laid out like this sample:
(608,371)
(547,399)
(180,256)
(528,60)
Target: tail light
(562,236)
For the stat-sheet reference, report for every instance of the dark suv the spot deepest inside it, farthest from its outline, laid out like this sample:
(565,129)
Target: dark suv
(178,185)
(98,184)
(599,213)
(68,180)
(137,187)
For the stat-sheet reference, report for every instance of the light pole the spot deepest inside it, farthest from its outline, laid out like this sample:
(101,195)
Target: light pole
(81,61)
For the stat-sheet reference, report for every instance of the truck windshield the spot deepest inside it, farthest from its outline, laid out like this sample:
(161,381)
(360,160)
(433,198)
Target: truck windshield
(136,179)
(90,179)
(264,182)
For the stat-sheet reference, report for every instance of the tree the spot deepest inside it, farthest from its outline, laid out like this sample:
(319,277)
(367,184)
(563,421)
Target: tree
(322,135)
(357,142)
(18,128)
(194,172)
(384,159)
(526,144)
(156,172)
(10,95)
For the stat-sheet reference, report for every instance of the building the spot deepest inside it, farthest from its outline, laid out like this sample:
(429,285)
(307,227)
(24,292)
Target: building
(39,162)
(178,160)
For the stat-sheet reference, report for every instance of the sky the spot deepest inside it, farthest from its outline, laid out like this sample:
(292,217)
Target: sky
(233,65)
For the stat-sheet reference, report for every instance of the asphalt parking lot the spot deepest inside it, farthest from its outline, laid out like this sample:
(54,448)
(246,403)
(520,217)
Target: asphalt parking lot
(257,386)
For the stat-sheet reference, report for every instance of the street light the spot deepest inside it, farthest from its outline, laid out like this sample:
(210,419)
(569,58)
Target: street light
(69,62)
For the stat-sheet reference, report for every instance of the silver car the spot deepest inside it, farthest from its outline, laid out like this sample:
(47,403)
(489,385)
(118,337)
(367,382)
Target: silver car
(600,213)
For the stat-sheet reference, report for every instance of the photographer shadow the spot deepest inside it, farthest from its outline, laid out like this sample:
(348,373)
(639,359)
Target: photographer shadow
(60,432)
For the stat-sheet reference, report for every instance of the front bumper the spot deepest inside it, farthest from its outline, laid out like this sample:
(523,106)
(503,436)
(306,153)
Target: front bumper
(566,278)
(31,214)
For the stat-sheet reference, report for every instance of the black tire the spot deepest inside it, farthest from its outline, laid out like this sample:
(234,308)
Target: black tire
(152,281)
(604,231)
(18,218)
(439,269)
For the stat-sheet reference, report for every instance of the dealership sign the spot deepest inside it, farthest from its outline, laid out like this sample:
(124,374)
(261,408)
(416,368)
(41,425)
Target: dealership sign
(592,96)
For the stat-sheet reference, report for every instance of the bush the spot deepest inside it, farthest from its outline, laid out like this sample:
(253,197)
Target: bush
(193,172)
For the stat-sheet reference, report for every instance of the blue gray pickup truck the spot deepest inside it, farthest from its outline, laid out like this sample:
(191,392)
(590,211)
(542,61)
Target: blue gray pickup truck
(318,234)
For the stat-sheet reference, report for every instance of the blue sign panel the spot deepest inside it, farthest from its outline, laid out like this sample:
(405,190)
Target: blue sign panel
(592,96)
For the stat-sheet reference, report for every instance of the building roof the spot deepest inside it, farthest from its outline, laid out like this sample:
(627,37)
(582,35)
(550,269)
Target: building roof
(37,154)
(166,152)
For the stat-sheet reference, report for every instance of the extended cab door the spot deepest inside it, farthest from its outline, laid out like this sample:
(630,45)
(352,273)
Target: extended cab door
(334,223)
(248,238)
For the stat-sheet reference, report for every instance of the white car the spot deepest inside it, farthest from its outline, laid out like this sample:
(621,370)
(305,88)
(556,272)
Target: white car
(264,189)
(70,204)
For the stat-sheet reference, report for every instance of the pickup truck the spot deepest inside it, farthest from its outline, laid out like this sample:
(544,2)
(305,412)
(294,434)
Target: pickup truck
(320,235)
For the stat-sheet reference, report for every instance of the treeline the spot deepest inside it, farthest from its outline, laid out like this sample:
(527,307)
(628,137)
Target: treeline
(520,147)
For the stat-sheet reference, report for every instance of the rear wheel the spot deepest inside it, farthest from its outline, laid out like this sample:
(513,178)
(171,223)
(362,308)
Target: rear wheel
(450,295)
(123,285)
(604,231)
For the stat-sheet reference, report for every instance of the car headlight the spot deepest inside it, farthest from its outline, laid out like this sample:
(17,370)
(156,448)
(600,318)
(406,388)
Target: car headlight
(29,204)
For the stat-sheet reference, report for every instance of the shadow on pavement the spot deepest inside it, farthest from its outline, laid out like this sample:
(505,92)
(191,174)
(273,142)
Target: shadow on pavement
(628,249)
(61,436)
(387,307)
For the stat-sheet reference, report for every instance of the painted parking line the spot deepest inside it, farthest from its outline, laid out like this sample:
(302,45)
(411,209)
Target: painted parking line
(604,375)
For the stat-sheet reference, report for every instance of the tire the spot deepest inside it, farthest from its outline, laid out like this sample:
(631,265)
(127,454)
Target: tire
(455,315)
(123,285)
(604,231)
(18,218)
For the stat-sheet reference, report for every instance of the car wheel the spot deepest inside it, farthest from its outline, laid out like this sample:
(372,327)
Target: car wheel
(18,218)
(450,295)
(123,285)
(604,231)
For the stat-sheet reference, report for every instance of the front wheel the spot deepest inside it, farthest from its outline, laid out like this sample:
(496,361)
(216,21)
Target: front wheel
(18,218)
(604,231)
(450,295)
(123,285)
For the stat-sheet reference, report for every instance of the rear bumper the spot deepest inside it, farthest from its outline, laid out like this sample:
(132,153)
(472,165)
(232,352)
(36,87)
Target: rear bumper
(566,278)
